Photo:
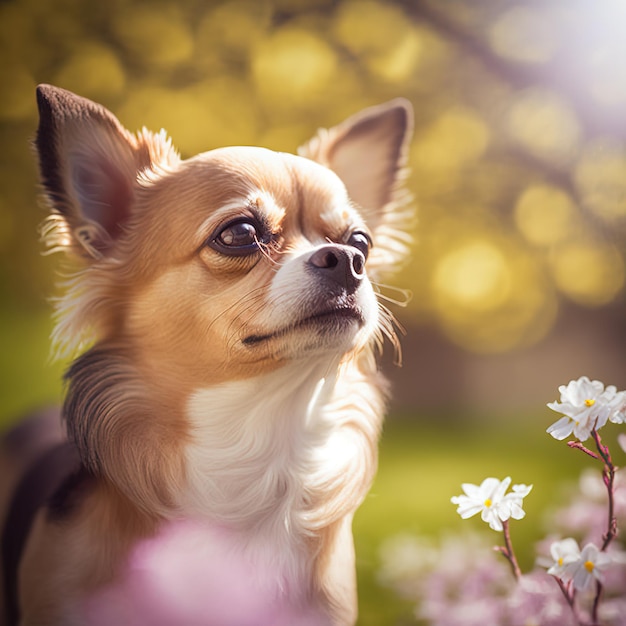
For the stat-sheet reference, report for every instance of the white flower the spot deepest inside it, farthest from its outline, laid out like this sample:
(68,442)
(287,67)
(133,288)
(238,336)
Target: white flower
(491,501)
(621,439)
(587,567)
(564,553)
(619,416)
(514,500)
(586,405)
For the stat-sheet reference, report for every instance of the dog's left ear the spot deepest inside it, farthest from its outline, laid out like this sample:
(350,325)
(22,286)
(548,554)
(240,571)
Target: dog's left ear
(369,152)
(90,166)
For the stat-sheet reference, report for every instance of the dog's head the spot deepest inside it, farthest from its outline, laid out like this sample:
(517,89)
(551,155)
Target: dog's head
(229,263)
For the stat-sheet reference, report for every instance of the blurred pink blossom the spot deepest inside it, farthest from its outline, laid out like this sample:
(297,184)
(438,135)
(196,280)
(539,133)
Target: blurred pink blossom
(193,575)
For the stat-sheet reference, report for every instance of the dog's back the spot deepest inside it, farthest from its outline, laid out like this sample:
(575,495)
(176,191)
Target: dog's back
(35,458)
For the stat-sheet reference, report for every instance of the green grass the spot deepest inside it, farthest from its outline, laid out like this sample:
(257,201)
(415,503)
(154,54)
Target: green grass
(28,379)
(423,462)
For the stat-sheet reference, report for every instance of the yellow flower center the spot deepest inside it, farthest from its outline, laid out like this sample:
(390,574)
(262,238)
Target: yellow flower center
(589,566)
(589,402)
(488,502)
(560,561)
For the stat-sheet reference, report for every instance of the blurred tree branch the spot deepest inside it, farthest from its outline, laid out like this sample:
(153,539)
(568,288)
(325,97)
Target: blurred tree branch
(551,75)
(521,77)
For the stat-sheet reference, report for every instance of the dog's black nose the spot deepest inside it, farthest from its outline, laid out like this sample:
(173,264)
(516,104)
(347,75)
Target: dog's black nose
(343,265)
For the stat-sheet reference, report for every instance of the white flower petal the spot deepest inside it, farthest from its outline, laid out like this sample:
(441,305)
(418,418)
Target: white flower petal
(490,516)
(522,491)
(489,486)
(565,549)
(582,578)
(566,408)
(561,429)
(582,431)
(618,417)
(517,512)
(473,491)
(602,561)
(503,510)
(500,489)
(469,509)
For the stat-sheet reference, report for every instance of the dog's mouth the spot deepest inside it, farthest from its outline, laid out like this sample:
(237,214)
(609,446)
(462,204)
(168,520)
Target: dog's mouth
(330,320)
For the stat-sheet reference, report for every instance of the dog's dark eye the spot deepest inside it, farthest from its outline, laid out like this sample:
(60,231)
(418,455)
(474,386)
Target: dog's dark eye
(238,238)
(361,241)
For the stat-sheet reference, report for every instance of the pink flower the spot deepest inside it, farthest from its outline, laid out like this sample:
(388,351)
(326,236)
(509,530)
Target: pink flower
(537,600)
(194,574)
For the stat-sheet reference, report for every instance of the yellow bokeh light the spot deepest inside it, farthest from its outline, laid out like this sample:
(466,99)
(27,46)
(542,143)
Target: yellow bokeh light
(474,276)
(588,273)
(457,137)
(292,66)
(368,27)
(209,115)
(17,101)
(545,125)
(221,28)
(156,38)
(400,62)
(523,34)
(545,215)
(93,70)
(601,178)
(382,35)
(16,26)
(490,296)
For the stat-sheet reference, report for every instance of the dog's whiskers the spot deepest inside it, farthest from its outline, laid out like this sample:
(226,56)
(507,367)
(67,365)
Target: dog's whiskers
(268,250)
(390,327)
(405,295)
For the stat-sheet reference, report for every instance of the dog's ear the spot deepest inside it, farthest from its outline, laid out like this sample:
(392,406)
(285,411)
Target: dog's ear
(369,152)
(89,166)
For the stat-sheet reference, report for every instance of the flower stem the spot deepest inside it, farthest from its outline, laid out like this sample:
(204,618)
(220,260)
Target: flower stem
(570,597)
(579,446)
(596,603)
(507,551)
(608,476)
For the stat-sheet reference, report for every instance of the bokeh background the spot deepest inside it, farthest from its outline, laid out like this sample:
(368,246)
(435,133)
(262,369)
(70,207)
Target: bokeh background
(518,169)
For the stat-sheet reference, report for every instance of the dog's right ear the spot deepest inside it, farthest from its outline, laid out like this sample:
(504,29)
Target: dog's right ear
(89,166)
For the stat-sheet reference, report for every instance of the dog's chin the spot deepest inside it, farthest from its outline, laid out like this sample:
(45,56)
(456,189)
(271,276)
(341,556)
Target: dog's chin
(335,331)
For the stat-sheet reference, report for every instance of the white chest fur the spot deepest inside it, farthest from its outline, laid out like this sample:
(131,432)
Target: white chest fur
(253,464)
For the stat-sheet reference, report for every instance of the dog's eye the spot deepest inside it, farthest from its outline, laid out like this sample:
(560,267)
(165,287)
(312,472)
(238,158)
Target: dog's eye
(361,241)
(238,238)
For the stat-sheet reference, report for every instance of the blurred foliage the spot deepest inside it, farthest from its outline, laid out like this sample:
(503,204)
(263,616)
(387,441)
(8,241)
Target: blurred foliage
(519,158)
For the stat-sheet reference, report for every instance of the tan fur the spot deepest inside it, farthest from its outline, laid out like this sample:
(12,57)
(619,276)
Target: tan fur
(172,321)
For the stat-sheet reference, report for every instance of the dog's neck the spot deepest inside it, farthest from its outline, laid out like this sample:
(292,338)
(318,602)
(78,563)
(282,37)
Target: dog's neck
(255,444)
(295,447)
(300,439)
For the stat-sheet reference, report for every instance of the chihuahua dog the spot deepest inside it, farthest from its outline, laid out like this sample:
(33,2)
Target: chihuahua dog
(223,411)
